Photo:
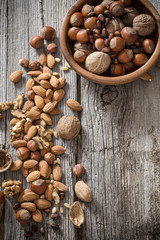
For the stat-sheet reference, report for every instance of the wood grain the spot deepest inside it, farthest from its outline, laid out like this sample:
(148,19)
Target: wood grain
(119,142)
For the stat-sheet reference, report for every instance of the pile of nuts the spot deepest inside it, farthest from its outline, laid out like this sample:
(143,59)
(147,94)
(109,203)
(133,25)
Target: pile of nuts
(111,36)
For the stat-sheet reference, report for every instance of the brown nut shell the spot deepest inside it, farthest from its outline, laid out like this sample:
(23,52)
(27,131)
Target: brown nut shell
(39,186)
(76,214)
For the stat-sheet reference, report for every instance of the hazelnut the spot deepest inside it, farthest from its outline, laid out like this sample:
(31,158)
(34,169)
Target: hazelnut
(39,186)
(140,59)
(34,65)
(52,48)
(82,36)
(129,66)
(48,33)
(72,33)
(32,145)
(117,44)
(49,157)
(31,94)
(24,62)
(78,170)
(1,197)
(26,138)
(125,55)
(23,216)
(36,42)
(36,156)
(129,35)
(99,44)
(126,3)
(22,153)
(86,10)
(76,20)
(148,46)
(117,69)
(79,56)
(91,23)
(116,8)
(99,9)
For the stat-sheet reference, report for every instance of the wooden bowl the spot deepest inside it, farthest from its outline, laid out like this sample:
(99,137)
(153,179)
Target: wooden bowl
(5,160)
(143,6)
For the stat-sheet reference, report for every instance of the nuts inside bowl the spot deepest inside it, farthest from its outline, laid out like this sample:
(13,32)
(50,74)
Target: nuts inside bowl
(5,160)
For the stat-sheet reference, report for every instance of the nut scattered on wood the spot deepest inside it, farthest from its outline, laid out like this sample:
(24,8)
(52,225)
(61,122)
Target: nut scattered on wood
(74,105)
(76,214)
(24,62)
(16,76)
(11,187)
(83,192)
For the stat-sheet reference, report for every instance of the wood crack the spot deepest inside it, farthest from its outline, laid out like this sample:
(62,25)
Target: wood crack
(42,12)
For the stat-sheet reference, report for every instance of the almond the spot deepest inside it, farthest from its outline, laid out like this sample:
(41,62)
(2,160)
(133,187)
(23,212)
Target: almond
(33,169)
(49,172)
(44,76)
(14,121)
(16,76)
(45,84)
(30,163)
(27,106)
(33,176)
(49,93)
(46,70)
(58,95)
(20,197)
(16,165)
(19,143)
(27,126)
(31,207)
(50,61)
(49,107)
(60,186)
(74,105)
(34,73)
(83,192)
(31,132)
(37,216)
(54,82)
(30,196)
(42,203)
(57,172)
(43,59)
(62,82)
(33,114)
(46,100)
(55,112)
(43,168)
(58,150)
(46,118)
(39,91)
(48,192)
(39,101)
(30,83)
(24,171)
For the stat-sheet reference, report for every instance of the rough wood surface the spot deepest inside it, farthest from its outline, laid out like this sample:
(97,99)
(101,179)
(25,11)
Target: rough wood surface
(119,143)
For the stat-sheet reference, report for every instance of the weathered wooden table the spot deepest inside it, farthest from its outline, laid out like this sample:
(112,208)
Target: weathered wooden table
(119,143)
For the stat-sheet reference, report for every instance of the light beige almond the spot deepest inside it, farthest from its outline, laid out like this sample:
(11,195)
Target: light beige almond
(39,101)
(27,125)
(27,105)
(30,163)
(74,105)
(48,192)
(44,76)
(54,81)
(42,203)
(46,118)
(20,197)
(42,59)
(49,107)
(45,84)
(58,95)
(57,172)
(16,76)
(31,132)
(36,168)
(30,196)
(83,192)
(24,171)
(14,121)
(43,168)
(60,186)
(55,112)
(31,207)
(37,216)
(39,91)
(33,176)
(30,83)
(34,73)
(49,172)
(50,61)
(16,165)
(33,114)
(47,100)
(49,93)
(58,150)
(44,151)
(62,82)
(46,70)
(19,143)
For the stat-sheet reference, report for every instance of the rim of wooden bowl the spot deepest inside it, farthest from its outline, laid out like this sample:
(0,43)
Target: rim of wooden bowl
(9,160)
(104,79)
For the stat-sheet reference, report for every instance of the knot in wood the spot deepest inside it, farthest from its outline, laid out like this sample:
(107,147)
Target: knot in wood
(109,94)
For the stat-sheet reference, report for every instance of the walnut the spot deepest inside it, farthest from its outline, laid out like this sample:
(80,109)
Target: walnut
(42,132)
(11,187)
(115,24)
(18,113)
(17,132)
(5,106)
(97,62)
(41,142)
(18,101)
(129,14)
(56,196)
(83,48)
(144,24)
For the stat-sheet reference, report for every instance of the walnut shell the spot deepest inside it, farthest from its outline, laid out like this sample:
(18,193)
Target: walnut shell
(82,47)
(107,3)
(76,214)
(68,127)
(97,62)
(129,14)
(115,24)
(144,24)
